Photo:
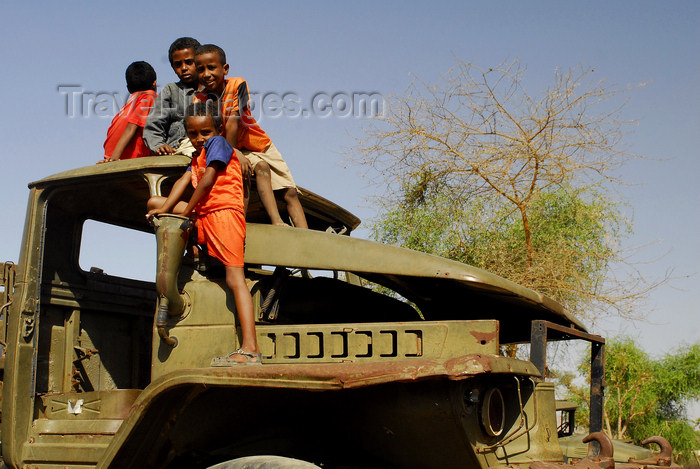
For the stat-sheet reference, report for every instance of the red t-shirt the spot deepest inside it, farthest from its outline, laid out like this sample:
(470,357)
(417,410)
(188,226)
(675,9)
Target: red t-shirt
(227,191)
(135,111)
(235,101)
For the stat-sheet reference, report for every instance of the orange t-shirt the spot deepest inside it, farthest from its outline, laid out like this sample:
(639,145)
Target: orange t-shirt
(135,111)
(235,101)
(227,191)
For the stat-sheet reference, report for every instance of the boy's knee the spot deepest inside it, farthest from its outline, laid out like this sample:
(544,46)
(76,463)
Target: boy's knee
(262,169)
(290,194)
(153,203)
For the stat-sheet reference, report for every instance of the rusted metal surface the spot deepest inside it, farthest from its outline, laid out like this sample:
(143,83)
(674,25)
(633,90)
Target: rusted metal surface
(352,375)
(605,458)
(663,459)
(485,337)
(604,449)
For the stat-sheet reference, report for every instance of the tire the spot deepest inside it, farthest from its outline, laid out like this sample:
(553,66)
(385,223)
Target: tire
(265,462)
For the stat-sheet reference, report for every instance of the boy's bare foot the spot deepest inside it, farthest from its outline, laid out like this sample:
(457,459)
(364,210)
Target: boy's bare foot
(281,223)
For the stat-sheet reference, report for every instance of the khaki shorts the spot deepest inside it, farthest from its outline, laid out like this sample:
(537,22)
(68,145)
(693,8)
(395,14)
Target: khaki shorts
(279,171)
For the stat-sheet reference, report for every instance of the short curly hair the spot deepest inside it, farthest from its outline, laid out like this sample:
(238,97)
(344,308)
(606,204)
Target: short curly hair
(205,108)
(206,48)
(182,43)
(140,76)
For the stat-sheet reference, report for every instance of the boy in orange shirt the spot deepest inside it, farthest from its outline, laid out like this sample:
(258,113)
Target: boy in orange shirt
(242,131)
(125,133)
(217,203)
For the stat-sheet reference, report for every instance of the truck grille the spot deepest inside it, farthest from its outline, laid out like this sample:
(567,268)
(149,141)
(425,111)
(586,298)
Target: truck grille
(376,341)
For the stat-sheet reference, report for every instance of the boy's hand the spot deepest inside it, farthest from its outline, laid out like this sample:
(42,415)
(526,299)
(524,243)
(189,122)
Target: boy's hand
(155,211)
(164,150)
(246,169)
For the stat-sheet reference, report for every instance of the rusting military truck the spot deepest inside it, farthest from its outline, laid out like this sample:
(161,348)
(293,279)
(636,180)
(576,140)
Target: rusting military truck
(373,356)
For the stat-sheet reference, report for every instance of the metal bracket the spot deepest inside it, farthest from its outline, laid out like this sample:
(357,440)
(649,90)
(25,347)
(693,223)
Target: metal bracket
(541,331)
(27,328)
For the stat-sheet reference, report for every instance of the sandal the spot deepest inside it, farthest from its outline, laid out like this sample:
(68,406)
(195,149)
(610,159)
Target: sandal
(227,360)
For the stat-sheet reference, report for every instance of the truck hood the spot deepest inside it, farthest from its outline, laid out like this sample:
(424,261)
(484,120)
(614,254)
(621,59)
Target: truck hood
(431,282)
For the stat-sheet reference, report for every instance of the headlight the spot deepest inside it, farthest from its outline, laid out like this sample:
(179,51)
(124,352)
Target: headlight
(493,412)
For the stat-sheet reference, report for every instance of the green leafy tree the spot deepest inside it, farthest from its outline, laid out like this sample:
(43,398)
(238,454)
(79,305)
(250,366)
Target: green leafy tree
(483,171)
(570,228)
(643,396)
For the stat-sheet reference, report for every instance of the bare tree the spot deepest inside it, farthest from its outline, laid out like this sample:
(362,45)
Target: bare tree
(480,148)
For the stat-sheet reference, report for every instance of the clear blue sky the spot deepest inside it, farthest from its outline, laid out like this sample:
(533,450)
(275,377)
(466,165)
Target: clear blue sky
(370,46)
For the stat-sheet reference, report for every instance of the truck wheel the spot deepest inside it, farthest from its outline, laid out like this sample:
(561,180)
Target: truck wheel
(265,462)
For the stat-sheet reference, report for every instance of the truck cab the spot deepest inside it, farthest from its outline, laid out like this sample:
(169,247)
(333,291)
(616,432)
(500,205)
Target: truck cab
(373,356)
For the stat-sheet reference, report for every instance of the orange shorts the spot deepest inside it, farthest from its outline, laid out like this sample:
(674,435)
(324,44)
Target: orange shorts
(223,231)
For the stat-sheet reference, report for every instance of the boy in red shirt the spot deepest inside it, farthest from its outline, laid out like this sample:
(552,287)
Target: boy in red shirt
(242,131)
(125,133)
(217,203)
